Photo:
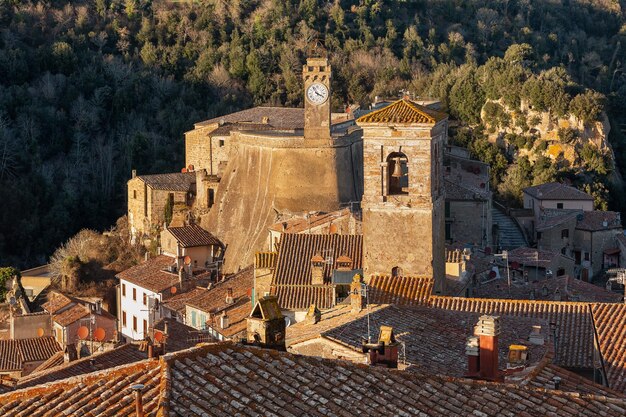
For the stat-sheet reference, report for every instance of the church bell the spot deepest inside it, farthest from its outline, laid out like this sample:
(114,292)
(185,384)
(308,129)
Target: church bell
(397,168)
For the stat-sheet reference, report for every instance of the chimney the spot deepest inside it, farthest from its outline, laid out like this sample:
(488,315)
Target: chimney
(313,315)
(472,351)
(518,354)
(488,331)
(265,120)
(536,338)
(556,381)
(146,256)
(133,173)
(317,270)
(229,296)
(224,321)
(385,352)
(138,399)
(356,298)
(181,277)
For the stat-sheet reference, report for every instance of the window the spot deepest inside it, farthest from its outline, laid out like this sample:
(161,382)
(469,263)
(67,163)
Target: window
(193,318)
(123,319)
(145,328)
(134,323)
(397,174)
(564,251)
(396,271)
(447,208)
(559,205)
(564,233)
(123,290)
(221,143)
(145,299)
(448,231)
(134,194)
(586,256)
(134,294)
(538,235)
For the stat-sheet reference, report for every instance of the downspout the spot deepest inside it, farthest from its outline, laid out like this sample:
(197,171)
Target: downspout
(596,349)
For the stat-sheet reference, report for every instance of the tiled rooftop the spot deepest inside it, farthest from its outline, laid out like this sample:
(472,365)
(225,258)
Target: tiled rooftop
(226,380)
(569,289)
(56,301)
(434,339)
(193,235)
(151,274)
(178,302)
(574,327)
(214,301)
(14,353)
(550,218)
(70,315)
(403,112)
(180,336)
(596,220)
(300,297)
(299,224)
(610,321)
(384,289)
(178,181)
(280,118)
(532,257)
(556,191)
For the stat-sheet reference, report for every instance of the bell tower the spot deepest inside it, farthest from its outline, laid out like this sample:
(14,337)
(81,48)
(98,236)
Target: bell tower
(403,196)
(316,75)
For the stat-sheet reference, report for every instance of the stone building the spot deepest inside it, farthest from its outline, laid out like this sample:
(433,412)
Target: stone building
(554,195)
(192,242)
(148,195)
(403,198)
(468,201)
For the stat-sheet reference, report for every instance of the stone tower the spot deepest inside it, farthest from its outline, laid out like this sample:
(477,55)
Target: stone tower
(403,199)
(316,75)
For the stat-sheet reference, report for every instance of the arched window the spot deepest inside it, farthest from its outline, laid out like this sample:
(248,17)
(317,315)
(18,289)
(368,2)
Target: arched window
(398,173)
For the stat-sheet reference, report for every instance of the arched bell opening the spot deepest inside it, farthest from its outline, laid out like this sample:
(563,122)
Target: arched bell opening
(398,173)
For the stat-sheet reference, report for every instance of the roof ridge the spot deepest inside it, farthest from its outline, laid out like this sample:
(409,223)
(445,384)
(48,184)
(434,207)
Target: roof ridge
(393,114)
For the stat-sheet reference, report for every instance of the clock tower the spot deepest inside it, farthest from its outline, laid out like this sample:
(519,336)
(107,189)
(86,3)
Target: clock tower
(316,75)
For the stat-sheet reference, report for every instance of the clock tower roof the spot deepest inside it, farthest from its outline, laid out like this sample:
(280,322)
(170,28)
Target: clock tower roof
(403,111)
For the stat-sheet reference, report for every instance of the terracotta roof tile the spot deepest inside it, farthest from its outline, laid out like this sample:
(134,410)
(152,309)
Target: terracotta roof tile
(299,224)
(556,191)
(403,112)
(400,290)
(70,315)
(294,257)
(226,379)
(570,289)
(610,322)
(122,355)
(178,181)
(152,274)
(56,301)
(573,320)
(300,297)
(180,336)
(550,218)
(532,257)
(595,221)
(193,235)
(178,302)
(280,118)
(14,353)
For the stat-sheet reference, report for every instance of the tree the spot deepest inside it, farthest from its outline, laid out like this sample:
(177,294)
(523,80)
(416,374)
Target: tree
(515,180)
(6,276)
(587,106)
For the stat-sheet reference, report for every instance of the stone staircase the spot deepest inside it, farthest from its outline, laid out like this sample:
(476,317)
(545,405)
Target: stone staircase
(511,236)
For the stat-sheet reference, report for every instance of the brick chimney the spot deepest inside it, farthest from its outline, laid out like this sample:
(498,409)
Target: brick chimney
(313,315)
(229,296)
(356,298)
(317,270)
(138,388)
(385,352)
(487,331)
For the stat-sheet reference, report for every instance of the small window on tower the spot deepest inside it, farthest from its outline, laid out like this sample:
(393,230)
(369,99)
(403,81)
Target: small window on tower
(559,205)
(221,142)
(397,173)
(135,194)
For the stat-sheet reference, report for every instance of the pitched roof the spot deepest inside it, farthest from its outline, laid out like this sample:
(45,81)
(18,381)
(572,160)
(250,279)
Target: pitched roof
(177,181)
(573,319)
(56,301)
(228,379)
(434,339)
(180,336)
(461,192)
(532,257)
(280,118)
(193,235)
(179,301)
(14,353)
(594,221)
(570,289)
(151,274)
(104,393)
(384,289)
(550,218)
(214,301)
(300,297)
(299,224)
(296,250)
(70,315)
(610,322)
(556,191)
(403,111)
(127,353)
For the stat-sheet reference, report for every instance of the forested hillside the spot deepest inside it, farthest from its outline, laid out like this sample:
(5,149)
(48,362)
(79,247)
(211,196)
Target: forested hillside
(90,90)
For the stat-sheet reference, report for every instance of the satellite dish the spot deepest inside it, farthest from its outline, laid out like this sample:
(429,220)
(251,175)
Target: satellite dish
(488,250)
(492,274)
(183,170)
(173,290)
(514,265)
(83,332)
(333,229)
(158,336)
(187,260)
(40,332)
(99,334)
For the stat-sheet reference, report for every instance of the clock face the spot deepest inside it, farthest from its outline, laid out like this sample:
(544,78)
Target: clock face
(317,93)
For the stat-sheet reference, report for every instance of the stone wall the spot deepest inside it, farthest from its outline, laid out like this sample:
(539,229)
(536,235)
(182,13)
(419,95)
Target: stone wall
(470,221)
(270,176)
(137,207)
(26,326)
(551,239)
(198,148)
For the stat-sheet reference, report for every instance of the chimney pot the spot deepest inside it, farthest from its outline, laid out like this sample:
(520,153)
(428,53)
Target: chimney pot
(229,296)
(488,330)
(556,381)
(133,173)
(138,399)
